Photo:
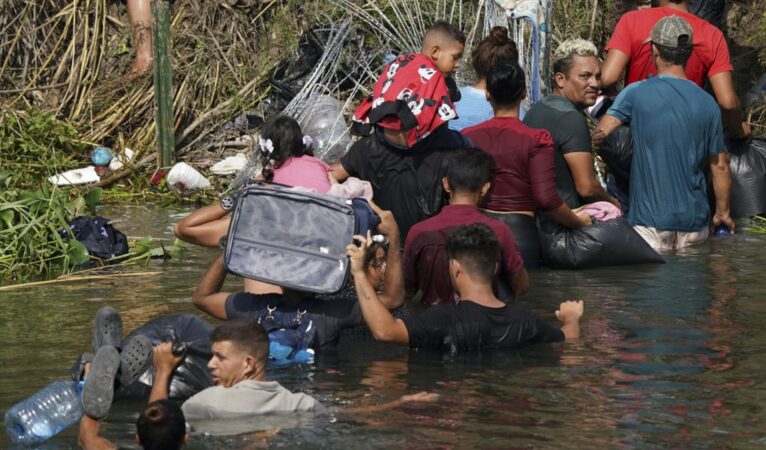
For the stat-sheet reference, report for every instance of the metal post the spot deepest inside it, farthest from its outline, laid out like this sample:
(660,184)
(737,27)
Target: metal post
(163,83)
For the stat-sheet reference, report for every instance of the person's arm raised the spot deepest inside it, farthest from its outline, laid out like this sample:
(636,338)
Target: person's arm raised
(393,283)
(384,327)
(164,363)
(569,314)
(208,297)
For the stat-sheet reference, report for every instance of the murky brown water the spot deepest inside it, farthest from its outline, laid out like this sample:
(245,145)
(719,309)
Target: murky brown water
(672,356)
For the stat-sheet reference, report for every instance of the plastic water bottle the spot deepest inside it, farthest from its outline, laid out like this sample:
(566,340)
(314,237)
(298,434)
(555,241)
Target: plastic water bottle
(327,127)
(44,414)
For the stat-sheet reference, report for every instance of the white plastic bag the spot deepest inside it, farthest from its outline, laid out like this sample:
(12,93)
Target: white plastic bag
(184,177)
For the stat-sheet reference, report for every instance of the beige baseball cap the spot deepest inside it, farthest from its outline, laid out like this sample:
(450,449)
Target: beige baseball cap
(670,31)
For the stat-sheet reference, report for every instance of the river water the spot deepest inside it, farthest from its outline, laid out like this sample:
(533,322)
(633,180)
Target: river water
(671,356)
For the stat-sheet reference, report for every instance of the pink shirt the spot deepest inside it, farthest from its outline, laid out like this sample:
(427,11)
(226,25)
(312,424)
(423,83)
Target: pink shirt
(306,171)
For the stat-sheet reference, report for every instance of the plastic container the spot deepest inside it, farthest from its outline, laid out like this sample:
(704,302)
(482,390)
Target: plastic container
(184,177)
(721,230)
(45,413)
(327,127)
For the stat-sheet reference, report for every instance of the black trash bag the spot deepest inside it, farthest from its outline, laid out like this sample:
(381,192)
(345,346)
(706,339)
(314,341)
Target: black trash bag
(610,243)
(748,178)
(617,153)
(192,375)
(100,238)
(710,10)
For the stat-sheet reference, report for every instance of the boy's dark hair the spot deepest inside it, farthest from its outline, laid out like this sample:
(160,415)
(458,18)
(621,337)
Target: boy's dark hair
(447,29)
(506,83)
(287,140)
(493,49)
(468,169)
(161,426)
(476,248)
(246,334)
(677,56)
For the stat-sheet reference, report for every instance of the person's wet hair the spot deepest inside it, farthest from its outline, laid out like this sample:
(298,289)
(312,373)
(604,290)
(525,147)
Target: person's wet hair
(468,169)
(476,248)
(497,47)
(506,83)
(446,29)
(677,56)
(286,139)
(248,335)
(161,426)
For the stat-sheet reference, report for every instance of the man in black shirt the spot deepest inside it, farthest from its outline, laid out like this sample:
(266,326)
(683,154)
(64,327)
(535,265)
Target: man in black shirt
(479,321)
(576,81)
(405,181)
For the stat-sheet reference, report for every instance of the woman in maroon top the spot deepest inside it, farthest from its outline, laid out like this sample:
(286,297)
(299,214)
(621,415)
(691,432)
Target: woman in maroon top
(523,175)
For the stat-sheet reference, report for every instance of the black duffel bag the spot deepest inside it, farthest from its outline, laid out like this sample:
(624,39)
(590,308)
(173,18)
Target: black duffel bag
(610,243)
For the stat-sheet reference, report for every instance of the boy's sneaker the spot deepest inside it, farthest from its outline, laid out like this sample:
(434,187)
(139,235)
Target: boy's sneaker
(107,328)
(98,392)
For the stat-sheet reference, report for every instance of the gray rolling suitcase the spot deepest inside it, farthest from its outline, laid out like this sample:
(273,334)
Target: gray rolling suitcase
(290,238)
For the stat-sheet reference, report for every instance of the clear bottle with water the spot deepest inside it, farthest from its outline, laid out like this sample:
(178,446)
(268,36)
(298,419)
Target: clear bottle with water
(44,414)
(325,123)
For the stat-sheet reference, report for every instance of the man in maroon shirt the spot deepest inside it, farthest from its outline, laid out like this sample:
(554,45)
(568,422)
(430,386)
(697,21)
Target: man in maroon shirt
(425,262)
(628,49)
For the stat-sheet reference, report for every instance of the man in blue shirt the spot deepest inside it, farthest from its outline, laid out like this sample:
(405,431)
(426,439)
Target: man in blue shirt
(676,128)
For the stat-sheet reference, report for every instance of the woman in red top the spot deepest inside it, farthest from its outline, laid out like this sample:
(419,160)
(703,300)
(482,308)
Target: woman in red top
(523,175)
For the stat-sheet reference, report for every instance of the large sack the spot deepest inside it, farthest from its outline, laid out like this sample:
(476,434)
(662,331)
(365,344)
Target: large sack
(192,375)
(748,178)
(291,238)
(610,243)
(617,153)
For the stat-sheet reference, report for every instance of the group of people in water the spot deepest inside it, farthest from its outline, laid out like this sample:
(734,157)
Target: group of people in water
(465,260)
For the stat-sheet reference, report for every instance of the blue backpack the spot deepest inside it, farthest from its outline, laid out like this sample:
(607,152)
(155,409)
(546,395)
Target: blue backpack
(290,335)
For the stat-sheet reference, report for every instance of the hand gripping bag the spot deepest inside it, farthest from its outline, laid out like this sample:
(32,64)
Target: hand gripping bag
(291,238)
(192,375)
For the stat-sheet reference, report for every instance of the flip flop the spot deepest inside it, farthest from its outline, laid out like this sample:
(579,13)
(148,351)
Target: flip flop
(98,392)
(135,359)
(107,328)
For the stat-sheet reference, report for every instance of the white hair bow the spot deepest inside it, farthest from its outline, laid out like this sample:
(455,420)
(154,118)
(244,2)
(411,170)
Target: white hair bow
(266,145)
(307,141)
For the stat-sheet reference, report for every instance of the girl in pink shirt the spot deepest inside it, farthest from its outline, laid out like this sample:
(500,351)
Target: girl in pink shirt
(286,157)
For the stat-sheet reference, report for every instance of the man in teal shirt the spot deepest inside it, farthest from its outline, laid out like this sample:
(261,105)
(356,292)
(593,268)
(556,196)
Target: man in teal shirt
(676,129)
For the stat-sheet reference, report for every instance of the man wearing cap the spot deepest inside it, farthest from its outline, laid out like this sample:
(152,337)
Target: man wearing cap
(628,51)
(676,128)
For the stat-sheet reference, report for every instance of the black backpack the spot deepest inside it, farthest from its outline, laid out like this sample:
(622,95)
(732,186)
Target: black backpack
(100,238)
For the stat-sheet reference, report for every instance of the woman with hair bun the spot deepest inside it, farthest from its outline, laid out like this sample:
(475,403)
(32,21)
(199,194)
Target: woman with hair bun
(523,174)
(473,107)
